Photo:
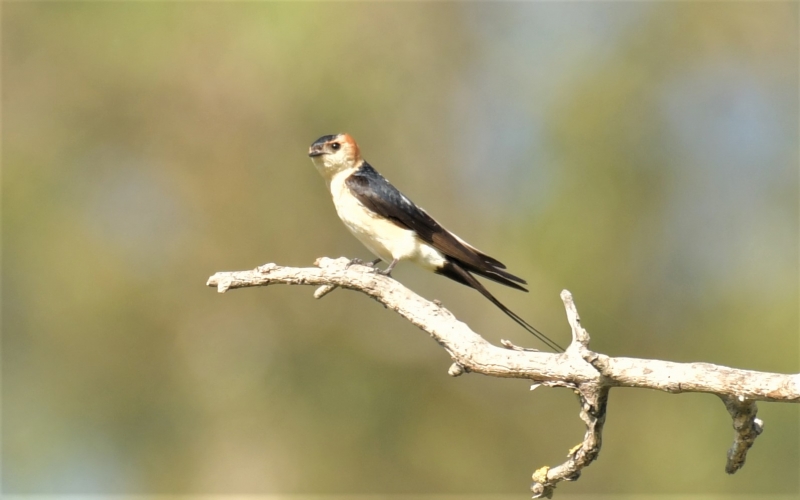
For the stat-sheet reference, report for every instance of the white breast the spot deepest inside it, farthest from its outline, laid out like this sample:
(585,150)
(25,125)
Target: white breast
(383,238)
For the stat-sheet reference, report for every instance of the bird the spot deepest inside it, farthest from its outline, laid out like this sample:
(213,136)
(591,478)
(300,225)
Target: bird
(395,229)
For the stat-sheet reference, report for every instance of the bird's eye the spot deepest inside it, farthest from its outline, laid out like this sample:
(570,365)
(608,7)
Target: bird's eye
(335,146)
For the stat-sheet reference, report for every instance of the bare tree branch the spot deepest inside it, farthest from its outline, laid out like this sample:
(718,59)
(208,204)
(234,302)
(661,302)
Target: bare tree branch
(591,375)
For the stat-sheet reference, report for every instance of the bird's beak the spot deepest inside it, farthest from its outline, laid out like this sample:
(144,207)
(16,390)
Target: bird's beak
(316,150)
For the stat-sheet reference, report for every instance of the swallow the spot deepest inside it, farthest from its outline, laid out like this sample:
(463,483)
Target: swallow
(394,228)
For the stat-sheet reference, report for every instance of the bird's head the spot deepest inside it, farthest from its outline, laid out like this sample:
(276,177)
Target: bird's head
(332,154)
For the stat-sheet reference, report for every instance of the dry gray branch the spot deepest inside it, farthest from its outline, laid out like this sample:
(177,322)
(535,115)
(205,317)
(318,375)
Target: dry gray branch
(591,375)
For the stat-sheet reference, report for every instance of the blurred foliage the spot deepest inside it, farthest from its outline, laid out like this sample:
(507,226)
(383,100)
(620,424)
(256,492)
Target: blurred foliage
(643,156)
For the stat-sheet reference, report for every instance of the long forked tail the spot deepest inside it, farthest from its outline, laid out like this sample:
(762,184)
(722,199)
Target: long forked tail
(457,273)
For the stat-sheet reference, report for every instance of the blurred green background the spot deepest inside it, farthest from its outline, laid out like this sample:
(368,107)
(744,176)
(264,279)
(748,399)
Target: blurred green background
(642,155)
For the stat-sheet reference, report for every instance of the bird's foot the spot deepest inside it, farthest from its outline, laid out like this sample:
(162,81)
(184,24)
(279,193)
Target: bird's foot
(360,262)
(355,261)
(388,270)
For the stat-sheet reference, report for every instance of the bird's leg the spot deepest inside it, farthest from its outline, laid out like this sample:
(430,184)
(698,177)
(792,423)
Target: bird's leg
(388,270)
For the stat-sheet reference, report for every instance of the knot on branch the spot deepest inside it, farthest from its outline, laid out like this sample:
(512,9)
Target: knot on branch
(747,427)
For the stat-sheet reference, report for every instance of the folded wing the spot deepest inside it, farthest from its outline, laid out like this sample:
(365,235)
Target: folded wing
(378,195)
